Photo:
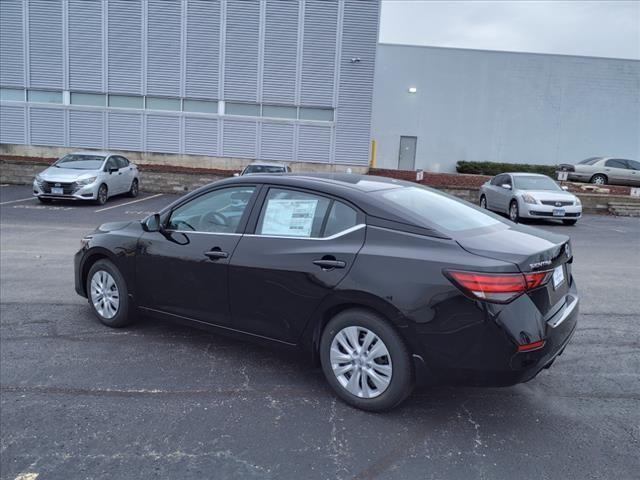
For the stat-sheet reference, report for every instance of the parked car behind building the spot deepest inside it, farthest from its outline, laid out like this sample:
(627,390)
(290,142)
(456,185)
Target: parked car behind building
(604,170)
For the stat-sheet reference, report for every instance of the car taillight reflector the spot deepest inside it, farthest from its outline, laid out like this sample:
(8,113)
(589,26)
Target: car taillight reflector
(531,346)
(497,287)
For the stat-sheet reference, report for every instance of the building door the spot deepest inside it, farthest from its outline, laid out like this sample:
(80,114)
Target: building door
(407,155)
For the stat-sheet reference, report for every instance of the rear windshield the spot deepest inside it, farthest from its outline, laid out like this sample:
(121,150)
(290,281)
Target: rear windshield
(589,161)
(263,169)
(438,210)
(80,162)
(535,183)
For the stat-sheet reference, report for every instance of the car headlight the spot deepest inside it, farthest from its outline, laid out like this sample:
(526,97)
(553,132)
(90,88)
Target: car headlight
(38,178)
(86,181)
(577,202)
(529,198)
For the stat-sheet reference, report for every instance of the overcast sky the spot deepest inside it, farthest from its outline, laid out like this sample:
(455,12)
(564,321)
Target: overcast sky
(602,28)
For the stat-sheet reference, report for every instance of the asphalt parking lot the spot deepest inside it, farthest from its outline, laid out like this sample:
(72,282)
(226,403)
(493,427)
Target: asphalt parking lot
(79,400)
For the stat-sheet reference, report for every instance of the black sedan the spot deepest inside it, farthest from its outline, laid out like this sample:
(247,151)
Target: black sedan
(386,284)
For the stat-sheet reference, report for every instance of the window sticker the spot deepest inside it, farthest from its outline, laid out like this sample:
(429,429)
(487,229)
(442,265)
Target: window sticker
(293,218)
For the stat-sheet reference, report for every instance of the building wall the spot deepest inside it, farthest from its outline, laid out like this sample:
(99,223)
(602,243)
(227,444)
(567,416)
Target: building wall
(287,80)
(504,107)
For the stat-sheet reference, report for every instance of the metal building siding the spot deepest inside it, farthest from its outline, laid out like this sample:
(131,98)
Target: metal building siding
(314,143)
(164,32)
(201,136)
(241,50)
(125,46)
(85,45)
(125,131)
(45,44)
(276,141)
(11,43)
(239,138)
(202,61)
(12,124)
(163,133)
(318,52)
(47,126)
(280,52)
(355,94)
(86,128)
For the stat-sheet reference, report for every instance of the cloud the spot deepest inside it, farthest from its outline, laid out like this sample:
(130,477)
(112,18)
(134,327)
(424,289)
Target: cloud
(605,28)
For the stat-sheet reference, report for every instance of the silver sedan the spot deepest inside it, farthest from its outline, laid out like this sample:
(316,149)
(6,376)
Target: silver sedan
(604,170)
(87,176)
(530,195)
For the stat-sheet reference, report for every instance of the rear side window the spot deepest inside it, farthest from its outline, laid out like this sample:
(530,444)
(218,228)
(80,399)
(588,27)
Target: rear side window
(615,163)
(341,217)
(290,213)
(436,210)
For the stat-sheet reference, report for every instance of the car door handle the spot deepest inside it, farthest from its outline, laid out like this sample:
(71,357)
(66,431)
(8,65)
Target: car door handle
(216,254)
(327,264)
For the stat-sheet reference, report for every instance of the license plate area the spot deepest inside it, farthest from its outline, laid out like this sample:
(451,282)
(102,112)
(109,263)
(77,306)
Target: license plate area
(558,276)
(558,212)
(57,190)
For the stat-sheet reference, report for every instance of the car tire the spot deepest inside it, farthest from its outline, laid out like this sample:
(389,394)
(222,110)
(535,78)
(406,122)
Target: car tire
(393,372)
(569,222)
(599,179)
(44,200)
(108,294)
(103,194)
(483,202)
(514,211)
(134,190)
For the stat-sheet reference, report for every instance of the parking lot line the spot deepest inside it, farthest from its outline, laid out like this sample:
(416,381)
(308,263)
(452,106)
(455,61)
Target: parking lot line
(130,203)
(16,201)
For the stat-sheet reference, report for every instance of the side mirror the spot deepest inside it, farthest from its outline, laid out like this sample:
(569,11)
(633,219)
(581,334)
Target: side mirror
(565,188)
(113,169)
(152,223)
(506,185)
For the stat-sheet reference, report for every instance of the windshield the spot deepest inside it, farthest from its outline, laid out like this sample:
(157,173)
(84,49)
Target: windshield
(535,183)
(441,211)
(263,169)
(589,161)
(80,162)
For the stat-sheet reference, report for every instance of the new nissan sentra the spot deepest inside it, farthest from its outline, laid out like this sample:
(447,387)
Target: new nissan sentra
(386,284)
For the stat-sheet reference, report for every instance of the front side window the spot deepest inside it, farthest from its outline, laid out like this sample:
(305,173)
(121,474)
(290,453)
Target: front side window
(112,164)
(436,209)
(290,213)
(80,162)
(633,165)
(535,183)
(219,211)
(122,162)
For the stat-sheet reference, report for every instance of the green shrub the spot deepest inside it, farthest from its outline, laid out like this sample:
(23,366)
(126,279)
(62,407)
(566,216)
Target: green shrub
(494,168)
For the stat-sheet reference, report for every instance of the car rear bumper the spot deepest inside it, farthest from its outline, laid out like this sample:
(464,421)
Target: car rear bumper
(486,355)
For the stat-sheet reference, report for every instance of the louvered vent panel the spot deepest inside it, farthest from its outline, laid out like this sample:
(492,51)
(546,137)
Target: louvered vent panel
(314,143)
(12,124)
(125,131)
(85,45)
(276,141)
(45,44)
(241,56)
(239,139)
(356,82)
(280,52)
(125,46)
(201,136)
(163,47)
(318,54)
(163,133)
(86,129)
(11,43)
(203,49)
(47,126)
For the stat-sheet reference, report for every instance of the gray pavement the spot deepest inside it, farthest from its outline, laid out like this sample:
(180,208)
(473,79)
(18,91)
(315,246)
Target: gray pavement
(80,401)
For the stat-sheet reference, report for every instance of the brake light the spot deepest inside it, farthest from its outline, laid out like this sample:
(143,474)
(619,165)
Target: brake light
(497,287)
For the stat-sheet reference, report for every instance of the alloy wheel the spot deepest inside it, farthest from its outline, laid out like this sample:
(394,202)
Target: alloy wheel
(105,296)
(513,212)
(102,195)
(134,189)
(483,202)
(361,362)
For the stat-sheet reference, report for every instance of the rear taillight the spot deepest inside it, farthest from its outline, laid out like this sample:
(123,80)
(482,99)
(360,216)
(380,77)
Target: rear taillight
(497,287)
